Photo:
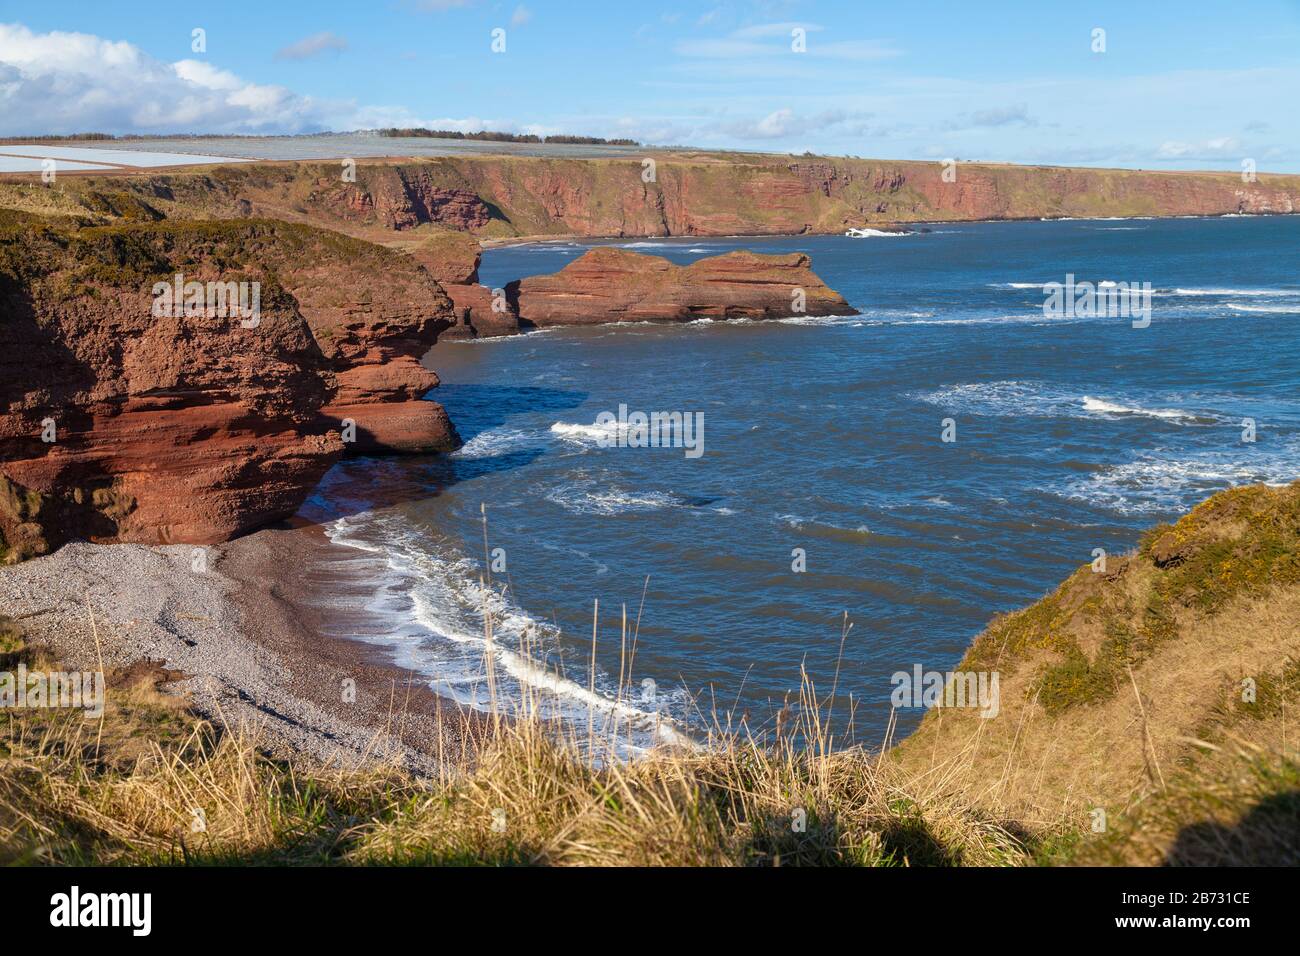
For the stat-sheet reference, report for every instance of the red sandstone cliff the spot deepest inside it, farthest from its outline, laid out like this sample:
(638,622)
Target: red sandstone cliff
(612,285)
(375,313)
(689,194)
(453,259)
(763,195)
(195,429)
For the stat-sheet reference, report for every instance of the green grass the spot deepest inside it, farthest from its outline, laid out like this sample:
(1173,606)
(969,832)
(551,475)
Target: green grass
(1237,545)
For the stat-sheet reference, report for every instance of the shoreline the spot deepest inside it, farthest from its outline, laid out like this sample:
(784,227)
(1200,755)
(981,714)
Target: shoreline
(902,228)
(247,636)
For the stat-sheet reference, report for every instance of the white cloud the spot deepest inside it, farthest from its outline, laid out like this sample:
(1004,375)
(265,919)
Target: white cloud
(521,16)
(773,39)
(313,45)
(1017,115)
(74,82)
(1221,147)
(784,123)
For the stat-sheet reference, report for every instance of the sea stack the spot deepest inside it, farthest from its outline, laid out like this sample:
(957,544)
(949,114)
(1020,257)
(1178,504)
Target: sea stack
(614,285)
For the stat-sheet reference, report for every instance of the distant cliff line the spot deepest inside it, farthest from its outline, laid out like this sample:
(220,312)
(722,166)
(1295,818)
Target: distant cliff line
(674,194)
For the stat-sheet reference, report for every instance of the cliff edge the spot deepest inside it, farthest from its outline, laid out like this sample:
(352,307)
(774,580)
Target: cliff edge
(127,416)
(1151,698)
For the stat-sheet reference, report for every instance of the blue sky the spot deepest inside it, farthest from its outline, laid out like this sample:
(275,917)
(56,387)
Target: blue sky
(1186,85)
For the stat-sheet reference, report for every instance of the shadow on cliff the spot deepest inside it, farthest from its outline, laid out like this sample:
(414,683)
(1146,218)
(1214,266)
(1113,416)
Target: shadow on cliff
(36,361)
(1267,835)
(481,413)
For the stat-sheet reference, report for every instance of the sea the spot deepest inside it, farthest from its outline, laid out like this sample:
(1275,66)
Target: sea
(870,489)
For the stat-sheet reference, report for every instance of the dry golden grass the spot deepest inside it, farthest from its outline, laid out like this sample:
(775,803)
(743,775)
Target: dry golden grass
(1187,769)
(1113,685)
(156,785)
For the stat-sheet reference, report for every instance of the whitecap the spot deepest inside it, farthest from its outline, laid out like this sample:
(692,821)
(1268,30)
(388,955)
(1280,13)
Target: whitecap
(586,498)
(594,433)
(1104,407)
(1277,309)
(493,442)
(1229,292)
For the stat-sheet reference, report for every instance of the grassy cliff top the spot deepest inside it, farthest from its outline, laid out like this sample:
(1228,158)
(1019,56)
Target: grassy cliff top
(1149,734)
(1155,686)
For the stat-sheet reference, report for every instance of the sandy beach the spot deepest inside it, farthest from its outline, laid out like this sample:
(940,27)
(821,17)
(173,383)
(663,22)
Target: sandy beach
(239,621)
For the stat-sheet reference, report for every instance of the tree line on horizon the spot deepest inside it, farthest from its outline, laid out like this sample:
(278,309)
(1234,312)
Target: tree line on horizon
(493,136)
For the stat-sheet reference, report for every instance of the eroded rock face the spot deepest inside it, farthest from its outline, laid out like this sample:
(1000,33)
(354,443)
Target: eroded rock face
(375,314)
(615,285)
(121,424)
(688,195)
(453,259)
(401,198)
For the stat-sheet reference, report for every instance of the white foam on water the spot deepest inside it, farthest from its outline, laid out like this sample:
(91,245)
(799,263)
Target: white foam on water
(817,319)
(1275,309)
(600,567)
(446,597)
(588,434)
(583,497)
(495,441)
(1101,406)
(490,339)
(1231,292)
(1040,399)
(895,314)
(1155,482)
(1033,317)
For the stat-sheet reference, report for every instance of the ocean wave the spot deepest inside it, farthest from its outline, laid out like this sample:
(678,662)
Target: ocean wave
(1101,406)
(1030,317)
(824,529)
(1040,399)
(1231,292)
(449,602)
(582,498)
(493,442)
(1152,483)
(818,319)
(878,234)
(600,566)
(1276,309)
(895,314)
(500,339)
(586,434)
(1175,292)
